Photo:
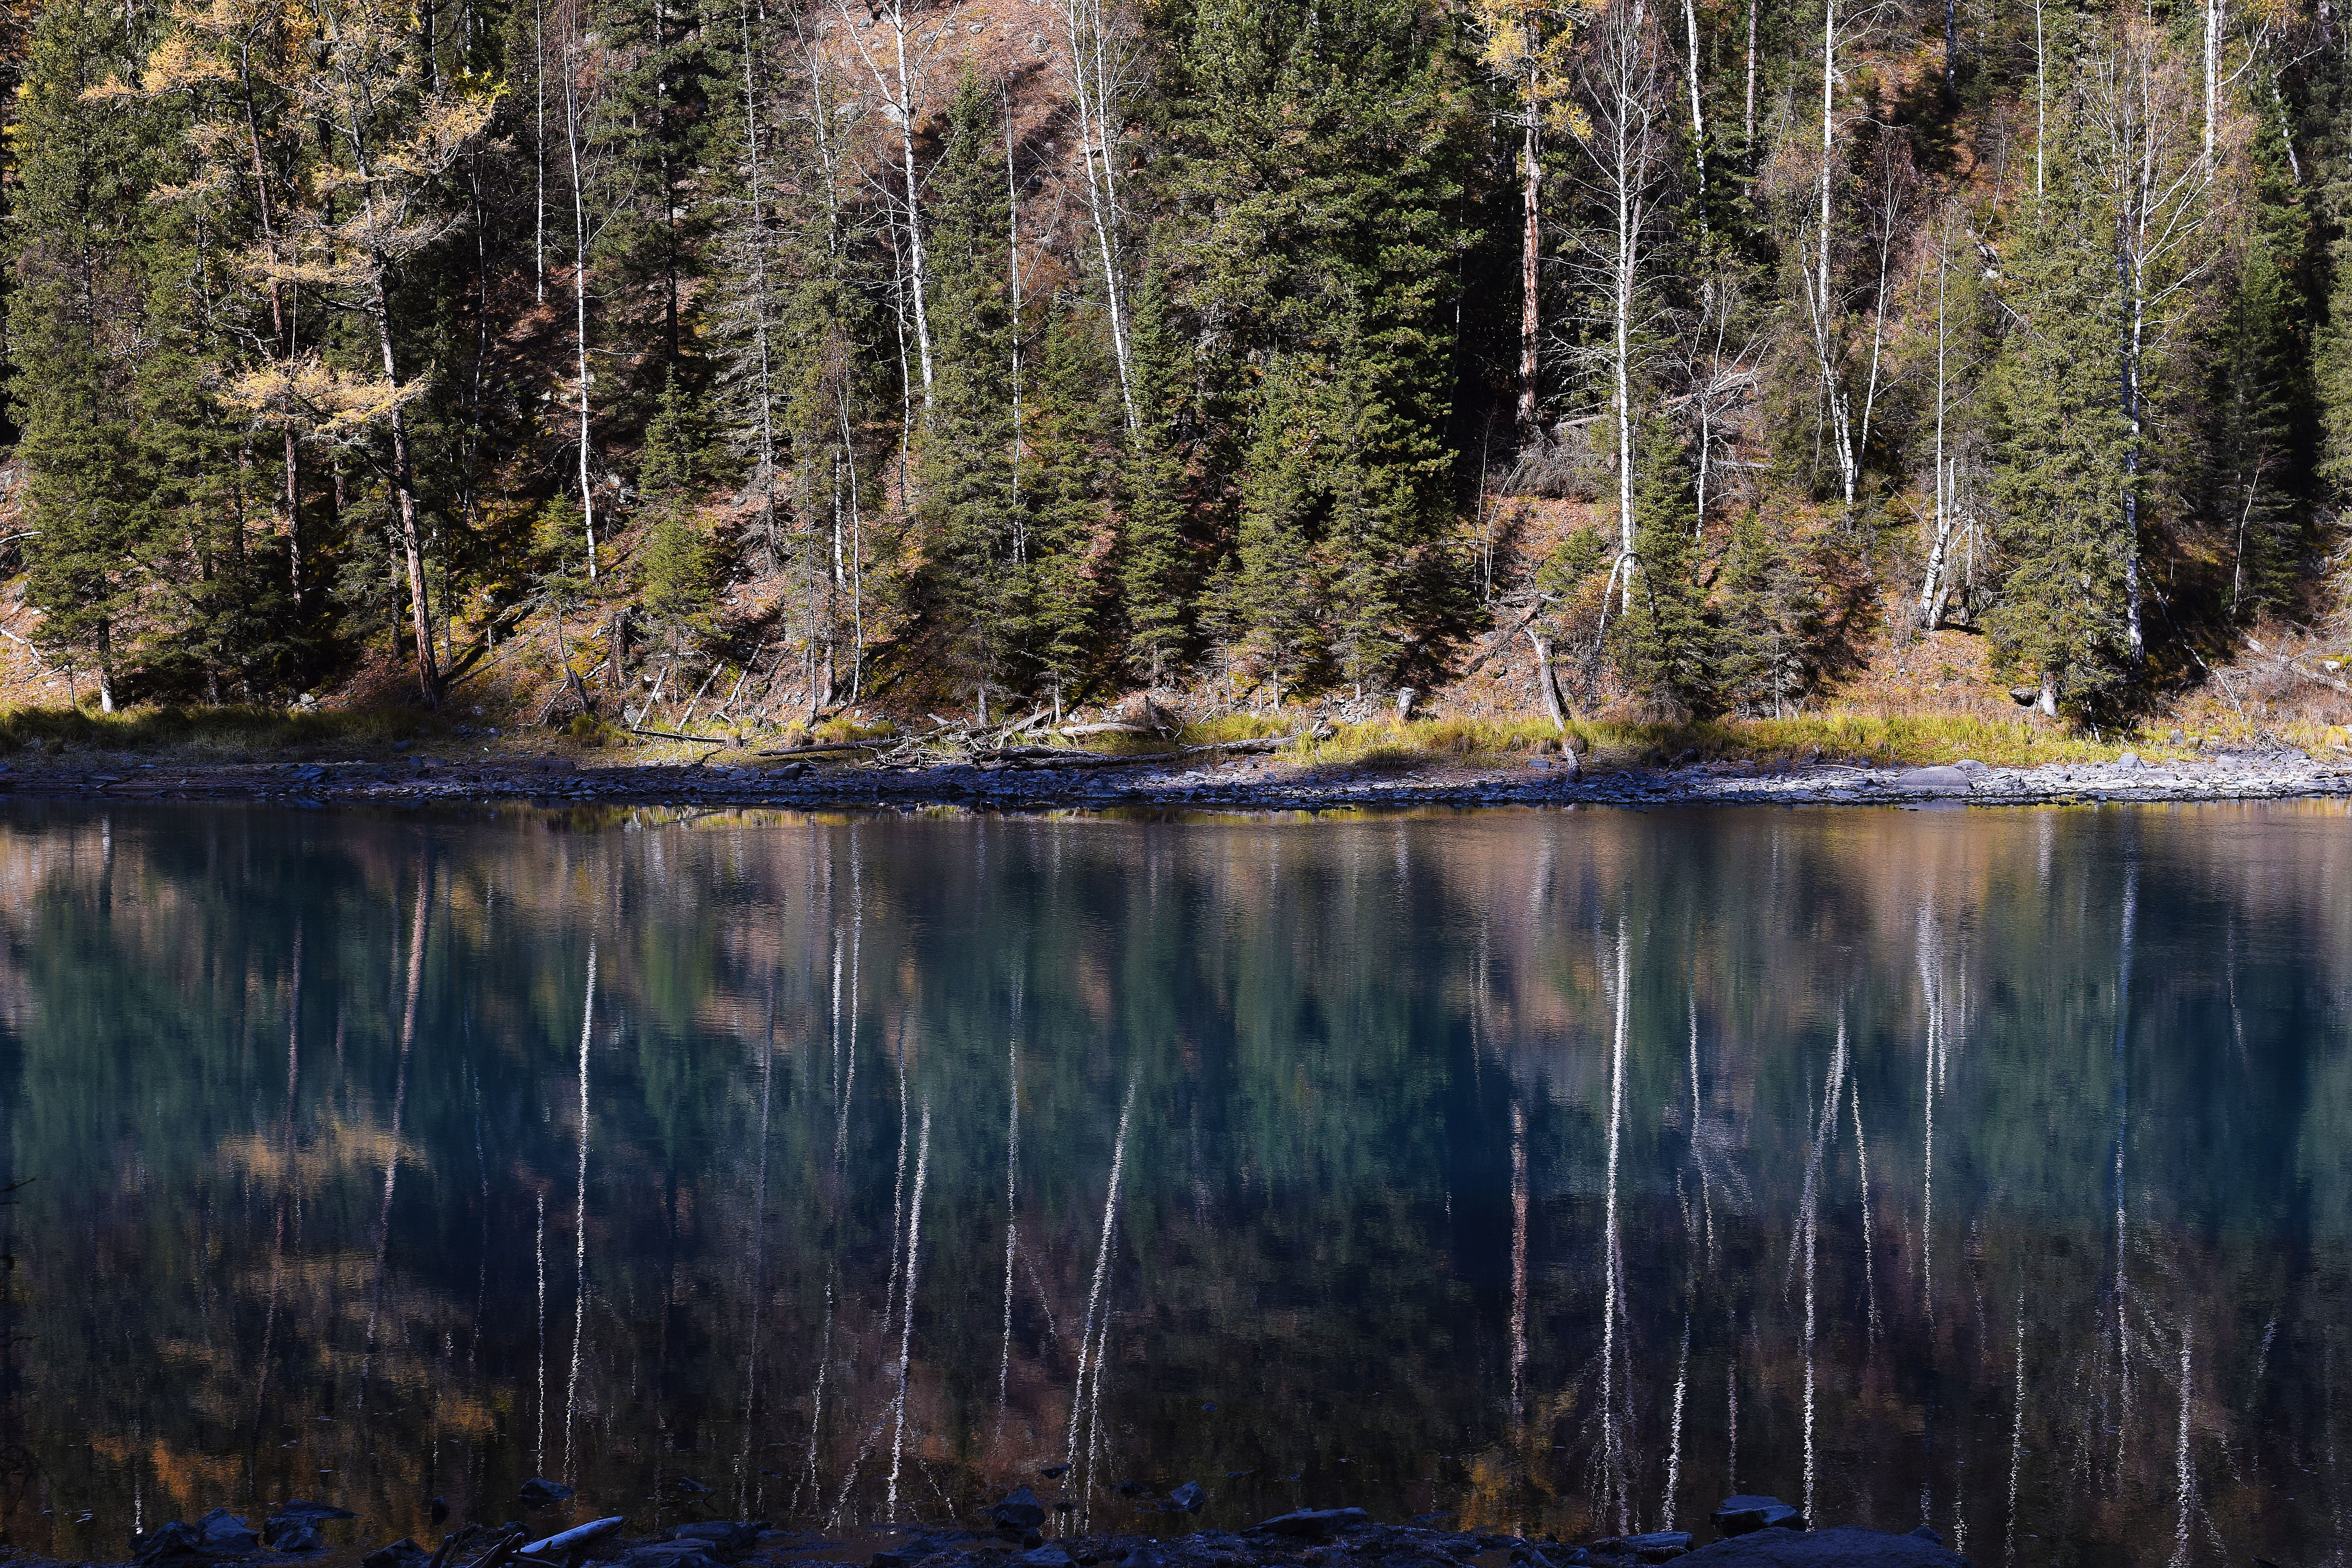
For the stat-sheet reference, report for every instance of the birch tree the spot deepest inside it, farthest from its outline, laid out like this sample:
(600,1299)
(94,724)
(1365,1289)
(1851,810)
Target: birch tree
(1622,143)
(1102,63)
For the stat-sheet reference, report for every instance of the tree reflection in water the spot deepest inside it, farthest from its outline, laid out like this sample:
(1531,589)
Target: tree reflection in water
(1566,1170)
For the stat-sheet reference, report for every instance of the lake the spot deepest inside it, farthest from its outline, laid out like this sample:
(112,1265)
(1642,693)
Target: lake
(1560,1170)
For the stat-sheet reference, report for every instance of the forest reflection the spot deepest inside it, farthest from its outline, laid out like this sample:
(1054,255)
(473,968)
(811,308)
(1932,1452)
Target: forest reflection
(1567,1170)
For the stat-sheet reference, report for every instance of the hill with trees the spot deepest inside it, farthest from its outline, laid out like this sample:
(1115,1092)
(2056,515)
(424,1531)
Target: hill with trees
(1676,359)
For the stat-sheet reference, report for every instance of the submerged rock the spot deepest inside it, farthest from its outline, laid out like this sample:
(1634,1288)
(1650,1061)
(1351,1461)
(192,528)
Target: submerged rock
(539,1492)
(1187,1499)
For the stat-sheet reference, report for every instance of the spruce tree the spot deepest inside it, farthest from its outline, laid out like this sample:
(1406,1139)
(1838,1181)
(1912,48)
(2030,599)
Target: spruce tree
(2059,445)
(1152,556)
(1664,647)
(978,545)
(79,230)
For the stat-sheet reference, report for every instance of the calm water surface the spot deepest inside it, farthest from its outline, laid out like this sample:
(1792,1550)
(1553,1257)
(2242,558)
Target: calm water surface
(1564,1169)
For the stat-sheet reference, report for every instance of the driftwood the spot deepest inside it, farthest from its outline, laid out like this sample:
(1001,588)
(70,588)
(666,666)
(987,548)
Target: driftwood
(828,746)
(674,735)
(1068,757)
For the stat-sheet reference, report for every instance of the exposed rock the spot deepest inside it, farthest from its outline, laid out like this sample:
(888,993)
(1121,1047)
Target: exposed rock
(1019,1511)
(1932,781)
(1846,1547)
(1743,1514)
(302,1508)
(1658,1546)
(1316,1523)
(539,1492)
(1049,1556)
(1187,1499)
(221,1533)
(402,1553)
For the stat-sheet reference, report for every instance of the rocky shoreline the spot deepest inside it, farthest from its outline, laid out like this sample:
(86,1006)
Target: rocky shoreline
(1244,784)
(1748,1531)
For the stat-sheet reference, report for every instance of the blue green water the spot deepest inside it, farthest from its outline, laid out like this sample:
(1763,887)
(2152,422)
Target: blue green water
(1561,1170)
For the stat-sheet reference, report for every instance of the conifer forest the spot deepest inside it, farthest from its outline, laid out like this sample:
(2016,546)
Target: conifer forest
(998,354)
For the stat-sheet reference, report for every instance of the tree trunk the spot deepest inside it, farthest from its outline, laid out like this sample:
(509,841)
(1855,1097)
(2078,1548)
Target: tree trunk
(1530,256)
(1546,684)
(1091,90)
(572,116)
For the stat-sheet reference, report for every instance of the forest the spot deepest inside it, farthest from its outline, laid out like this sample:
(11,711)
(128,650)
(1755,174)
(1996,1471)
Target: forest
(1012,354)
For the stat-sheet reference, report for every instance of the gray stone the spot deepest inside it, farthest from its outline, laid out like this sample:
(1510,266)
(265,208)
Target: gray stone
(1658,1546)
(2129,762)
(1740,1515)
(1847,1547)
(1187,1499)
(1047,1556)
(1932,781)
(402,1553)
(539,1492)
(1316,1523)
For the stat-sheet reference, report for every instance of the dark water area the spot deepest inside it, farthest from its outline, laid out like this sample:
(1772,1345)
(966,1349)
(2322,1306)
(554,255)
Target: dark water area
(1566,1170)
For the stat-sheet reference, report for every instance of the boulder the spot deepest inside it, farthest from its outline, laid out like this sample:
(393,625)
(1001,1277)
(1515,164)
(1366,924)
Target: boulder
(1187,1499)
(541,1492)
(1846,1547)
(724,1540)
(223,1534)
(1316,1523)
(1658,1546)
(1046,1556)
(402,1553)
(1743,1515)
(1018,1512)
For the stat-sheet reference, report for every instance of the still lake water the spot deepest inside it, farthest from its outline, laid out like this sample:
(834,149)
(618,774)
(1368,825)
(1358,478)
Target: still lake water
(1567,1171)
